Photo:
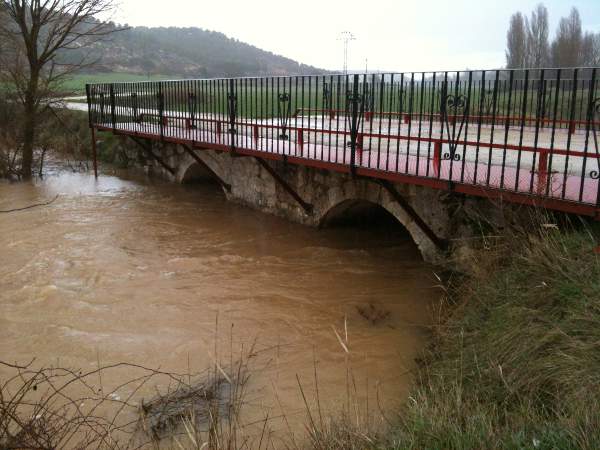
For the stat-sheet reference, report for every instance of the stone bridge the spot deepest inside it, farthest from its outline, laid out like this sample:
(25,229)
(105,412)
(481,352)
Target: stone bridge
(317,197)
(436,150)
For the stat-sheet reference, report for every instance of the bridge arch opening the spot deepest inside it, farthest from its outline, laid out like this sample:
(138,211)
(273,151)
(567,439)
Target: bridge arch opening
(372,222)
(196,174)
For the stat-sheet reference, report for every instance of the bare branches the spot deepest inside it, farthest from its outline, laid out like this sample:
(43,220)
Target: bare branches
(50,408)
(49,202)
(39,32)
(35,37)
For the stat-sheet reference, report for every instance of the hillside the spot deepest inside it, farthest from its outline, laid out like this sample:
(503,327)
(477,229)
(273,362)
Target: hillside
(187,52)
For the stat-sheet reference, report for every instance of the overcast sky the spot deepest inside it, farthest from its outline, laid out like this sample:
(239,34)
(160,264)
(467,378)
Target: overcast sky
(395,35)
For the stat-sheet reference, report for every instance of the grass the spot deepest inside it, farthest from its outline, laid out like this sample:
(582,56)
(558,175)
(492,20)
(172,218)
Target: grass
(516,364)
(260,99)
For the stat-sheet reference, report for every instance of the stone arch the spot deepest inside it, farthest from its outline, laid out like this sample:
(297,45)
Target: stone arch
(191,171)
(195,173)
(339,204)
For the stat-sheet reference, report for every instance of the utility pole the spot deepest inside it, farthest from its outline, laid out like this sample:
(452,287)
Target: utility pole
(346,37)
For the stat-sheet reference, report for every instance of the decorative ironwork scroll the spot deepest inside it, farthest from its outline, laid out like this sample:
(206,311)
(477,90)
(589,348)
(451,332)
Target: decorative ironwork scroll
(457,107)
(594,117)
(232,111)
(284,111)
(356,106)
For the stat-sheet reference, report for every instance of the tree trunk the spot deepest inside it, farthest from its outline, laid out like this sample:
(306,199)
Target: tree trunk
(29,126)
(28,141)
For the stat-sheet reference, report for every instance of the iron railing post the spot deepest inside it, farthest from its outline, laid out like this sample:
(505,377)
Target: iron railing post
(161,111)
(354,100)
(134,106)
(572,109)
(590,126)
(284,112)
(192,105)
(232,111)
(89,103)
(113,117)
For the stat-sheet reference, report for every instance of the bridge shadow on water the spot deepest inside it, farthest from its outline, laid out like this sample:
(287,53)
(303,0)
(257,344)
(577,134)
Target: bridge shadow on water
(368,224)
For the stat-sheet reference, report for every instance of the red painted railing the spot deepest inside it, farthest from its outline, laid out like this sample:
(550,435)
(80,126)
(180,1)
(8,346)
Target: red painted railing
(531,138)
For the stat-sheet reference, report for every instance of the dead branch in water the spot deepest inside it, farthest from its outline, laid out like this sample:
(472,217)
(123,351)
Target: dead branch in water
(49,408)
(30,206)
(161,415)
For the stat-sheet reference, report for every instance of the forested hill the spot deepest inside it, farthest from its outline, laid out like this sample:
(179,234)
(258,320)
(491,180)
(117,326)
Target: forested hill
(188,52)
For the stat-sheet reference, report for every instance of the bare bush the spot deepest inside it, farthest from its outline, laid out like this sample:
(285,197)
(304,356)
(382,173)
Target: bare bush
(51,408)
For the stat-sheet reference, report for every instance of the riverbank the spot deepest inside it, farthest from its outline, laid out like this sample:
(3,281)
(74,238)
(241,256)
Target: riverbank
(515,362)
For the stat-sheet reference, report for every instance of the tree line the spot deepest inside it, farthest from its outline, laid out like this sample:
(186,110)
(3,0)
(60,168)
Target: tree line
(528,42)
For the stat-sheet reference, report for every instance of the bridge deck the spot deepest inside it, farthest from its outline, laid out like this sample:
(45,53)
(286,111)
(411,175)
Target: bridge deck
(479,166)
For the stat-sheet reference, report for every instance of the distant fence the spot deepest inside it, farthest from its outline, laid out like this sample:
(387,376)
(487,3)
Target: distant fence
(531,132)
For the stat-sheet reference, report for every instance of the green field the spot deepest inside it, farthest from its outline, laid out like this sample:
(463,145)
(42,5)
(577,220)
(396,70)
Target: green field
(77,83)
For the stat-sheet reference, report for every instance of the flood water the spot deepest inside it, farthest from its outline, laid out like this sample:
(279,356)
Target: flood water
(125,268)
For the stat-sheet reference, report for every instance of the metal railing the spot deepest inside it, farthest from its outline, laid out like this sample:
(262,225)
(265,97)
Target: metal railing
(528,132)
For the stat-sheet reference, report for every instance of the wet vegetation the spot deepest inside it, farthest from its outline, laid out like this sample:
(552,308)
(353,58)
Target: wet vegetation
(64,135)
(515,360)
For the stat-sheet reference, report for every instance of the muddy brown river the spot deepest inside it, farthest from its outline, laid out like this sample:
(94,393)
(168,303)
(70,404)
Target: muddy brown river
(125,268)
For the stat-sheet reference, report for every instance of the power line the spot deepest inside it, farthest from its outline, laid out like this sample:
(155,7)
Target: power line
(346,37)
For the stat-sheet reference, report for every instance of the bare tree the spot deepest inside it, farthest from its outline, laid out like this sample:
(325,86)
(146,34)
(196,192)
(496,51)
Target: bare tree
(590,49)
(35,34)
(516,42)
(537,38)
(566,48)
